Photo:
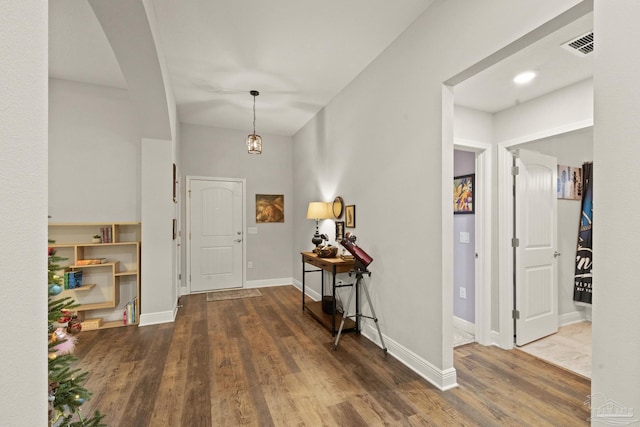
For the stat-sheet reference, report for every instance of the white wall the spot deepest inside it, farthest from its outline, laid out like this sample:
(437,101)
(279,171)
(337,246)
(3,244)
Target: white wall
(473,125)
(158,297)
(23,229)
(94,154)
(572,149)
(566,109)
(379,145)
(616,342)
(215,152)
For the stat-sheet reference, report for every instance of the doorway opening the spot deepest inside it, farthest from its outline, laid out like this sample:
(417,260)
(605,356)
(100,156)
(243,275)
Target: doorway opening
(500,293)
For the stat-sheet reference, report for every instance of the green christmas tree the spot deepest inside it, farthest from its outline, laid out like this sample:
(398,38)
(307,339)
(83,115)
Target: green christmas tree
(66,393)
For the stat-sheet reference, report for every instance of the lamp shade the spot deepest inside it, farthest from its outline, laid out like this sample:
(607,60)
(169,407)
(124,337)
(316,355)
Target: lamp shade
(319,210)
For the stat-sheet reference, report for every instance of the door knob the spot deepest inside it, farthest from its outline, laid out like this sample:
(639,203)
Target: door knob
(238,240)
(556,254)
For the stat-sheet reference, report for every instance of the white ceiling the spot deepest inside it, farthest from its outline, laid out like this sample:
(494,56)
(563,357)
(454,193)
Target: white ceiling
(493,89)
(299,55)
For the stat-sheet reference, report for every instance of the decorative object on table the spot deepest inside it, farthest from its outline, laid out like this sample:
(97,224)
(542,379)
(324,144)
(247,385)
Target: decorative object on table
(96,239)
(318,211)
(569,183)
(254,142)
(65,393)
(464,194)
(337,207)
(328,251)
(350,216)
(269,208)
(339,230)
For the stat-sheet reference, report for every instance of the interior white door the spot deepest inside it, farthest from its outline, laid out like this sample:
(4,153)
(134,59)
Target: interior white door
(536,266)
(216,235)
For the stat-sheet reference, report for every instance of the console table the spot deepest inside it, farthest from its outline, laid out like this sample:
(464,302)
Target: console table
(314,308)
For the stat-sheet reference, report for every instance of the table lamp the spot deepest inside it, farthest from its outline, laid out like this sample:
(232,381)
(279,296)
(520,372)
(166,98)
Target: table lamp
(318,211)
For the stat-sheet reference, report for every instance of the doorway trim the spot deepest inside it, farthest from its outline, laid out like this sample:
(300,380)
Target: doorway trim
(484,166)
(187,237)
(504,337)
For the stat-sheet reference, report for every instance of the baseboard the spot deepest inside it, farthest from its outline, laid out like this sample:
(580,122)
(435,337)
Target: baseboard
(268,282)
(465,325)
(183,290)
(573,317)
(147,319)
(443,380)
(310,292)
(494,336)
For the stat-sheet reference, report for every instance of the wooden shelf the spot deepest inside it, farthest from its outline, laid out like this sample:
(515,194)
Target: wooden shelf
(126,273)
(96,306)
(82,288)
(122,264)
(104,264)
(72,245)
(315,310)
(115,324)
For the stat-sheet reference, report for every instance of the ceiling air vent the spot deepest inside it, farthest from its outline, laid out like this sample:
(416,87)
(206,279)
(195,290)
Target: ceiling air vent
(582,45)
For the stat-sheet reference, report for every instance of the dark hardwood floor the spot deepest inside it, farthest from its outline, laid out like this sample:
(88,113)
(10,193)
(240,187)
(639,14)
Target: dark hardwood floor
(260,361)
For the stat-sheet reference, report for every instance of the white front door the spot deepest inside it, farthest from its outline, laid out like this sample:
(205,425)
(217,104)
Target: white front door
(216,234)
(536,267)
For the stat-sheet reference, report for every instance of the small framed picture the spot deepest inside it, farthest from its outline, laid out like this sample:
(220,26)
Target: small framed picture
(350,216)
(339,230)
(464,195)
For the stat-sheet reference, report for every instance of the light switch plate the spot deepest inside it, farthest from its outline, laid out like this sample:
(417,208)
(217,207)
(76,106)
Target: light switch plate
(464,237)
(252,230)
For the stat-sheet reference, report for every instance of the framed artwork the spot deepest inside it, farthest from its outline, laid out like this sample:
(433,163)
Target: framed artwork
(569,183)
(350,216)
(339,230)
(269,208)
(464,194)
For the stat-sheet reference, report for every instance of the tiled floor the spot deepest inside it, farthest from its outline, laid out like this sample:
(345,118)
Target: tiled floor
(569,348)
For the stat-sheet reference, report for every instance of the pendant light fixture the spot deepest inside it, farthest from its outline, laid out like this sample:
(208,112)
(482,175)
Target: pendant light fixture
(254,142)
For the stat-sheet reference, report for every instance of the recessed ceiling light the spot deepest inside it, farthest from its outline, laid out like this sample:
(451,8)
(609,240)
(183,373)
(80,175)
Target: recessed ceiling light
(524,77)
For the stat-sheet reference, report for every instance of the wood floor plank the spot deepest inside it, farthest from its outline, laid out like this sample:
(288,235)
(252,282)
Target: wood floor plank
(261,361)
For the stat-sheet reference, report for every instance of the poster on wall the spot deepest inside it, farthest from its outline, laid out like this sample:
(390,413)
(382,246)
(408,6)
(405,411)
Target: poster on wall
(569,183)
(269,208)
(584,252)
(464,194)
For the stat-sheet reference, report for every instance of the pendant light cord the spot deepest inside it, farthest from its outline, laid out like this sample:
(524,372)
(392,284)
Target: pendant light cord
(254,114)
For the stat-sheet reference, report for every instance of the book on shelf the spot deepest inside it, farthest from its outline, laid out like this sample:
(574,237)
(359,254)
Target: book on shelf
(107,236)
(129,314)
(72,279)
